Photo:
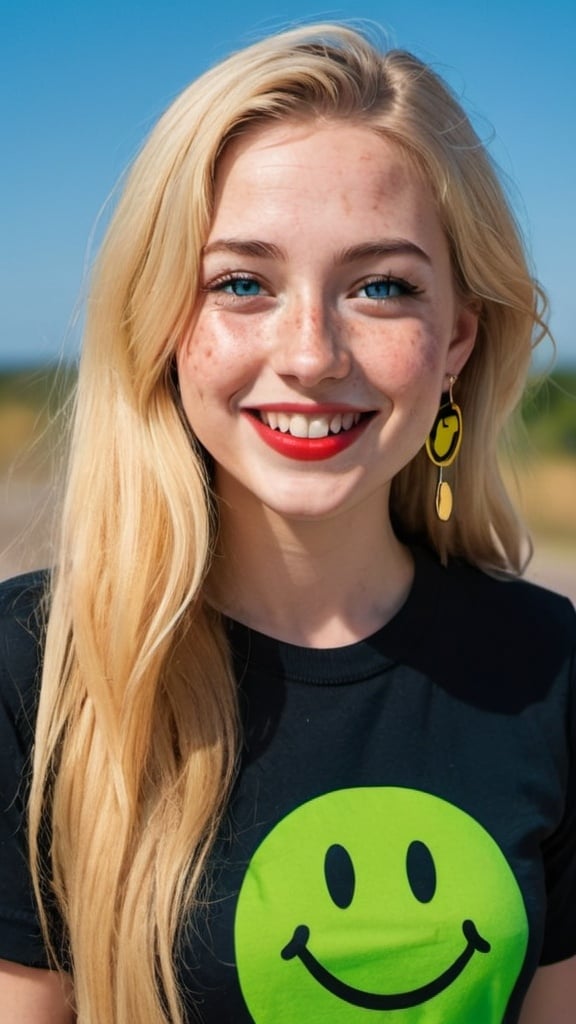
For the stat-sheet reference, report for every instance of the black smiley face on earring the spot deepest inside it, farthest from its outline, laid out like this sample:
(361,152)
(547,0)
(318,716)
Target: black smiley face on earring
(443,442)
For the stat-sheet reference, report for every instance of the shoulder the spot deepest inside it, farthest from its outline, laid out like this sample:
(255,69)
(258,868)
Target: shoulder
(22,625)
(22,612)
(510,607)
(21,594)
(513,642)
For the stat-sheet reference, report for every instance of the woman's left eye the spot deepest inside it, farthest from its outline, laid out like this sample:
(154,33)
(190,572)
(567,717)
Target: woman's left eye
(386,288)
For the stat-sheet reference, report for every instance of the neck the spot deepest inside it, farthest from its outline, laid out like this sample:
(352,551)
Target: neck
(317,583)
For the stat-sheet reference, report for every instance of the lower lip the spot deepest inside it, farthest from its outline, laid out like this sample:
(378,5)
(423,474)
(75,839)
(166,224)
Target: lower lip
(308,449)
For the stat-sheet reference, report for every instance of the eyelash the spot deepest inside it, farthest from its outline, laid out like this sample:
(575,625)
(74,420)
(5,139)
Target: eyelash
(220,284)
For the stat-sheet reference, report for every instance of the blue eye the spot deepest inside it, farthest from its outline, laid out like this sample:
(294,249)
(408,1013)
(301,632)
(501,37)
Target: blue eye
(385,288)
(240,286)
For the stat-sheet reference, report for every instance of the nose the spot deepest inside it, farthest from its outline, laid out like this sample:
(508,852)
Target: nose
(311,344)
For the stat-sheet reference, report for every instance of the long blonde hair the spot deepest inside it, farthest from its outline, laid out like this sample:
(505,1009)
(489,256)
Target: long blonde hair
(137,728)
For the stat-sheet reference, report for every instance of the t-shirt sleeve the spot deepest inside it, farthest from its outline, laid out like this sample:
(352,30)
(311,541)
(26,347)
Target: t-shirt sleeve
(560,849)
(20,643)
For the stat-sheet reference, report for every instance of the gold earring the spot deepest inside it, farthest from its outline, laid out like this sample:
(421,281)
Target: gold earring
(442,445)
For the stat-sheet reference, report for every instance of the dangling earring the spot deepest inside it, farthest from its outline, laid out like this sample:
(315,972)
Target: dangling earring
(442,445)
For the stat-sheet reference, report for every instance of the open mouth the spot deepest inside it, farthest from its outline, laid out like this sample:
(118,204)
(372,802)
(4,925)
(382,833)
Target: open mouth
(298,947)
(308,436)
(315,425)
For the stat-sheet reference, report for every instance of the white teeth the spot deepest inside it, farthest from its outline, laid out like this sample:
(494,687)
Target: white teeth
(318,427)
(300,425)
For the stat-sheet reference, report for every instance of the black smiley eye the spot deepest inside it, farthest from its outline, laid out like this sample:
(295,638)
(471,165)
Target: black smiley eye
(339,875)
(421,871)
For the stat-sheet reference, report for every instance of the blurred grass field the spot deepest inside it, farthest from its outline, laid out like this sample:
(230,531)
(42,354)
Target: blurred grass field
(542,473)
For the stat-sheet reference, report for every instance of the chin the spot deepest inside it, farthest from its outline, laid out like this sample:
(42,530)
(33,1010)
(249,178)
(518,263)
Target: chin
(304,514)
(313,497)
(313,507)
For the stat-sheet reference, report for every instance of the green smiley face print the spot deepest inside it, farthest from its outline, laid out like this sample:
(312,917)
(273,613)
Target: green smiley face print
(379,904)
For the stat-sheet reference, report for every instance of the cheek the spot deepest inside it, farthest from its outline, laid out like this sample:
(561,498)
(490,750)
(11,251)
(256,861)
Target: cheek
(407,360)
(216,352)
(202,364)
(202,357)
(213,369)
(194,364)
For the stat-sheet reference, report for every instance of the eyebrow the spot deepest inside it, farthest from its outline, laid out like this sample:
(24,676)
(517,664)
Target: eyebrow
(389,247)
(352,254)
(244,247)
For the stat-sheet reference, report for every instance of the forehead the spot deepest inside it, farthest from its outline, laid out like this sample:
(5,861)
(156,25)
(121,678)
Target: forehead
(343,177)
(287,144)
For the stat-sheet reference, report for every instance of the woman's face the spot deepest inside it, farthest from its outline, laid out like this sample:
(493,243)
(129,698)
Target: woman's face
(327,323)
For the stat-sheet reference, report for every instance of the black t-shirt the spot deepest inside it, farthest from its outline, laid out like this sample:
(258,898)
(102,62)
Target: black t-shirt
(400,844)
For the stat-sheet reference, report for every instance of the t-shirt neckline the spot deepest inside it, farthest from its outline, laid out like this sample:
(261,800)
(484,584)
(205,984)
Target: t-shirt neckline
(352,662)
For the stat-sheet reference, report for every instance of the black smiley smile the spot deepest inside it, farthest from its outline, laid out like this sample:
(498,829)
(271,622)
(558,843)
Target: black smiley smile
(298,947)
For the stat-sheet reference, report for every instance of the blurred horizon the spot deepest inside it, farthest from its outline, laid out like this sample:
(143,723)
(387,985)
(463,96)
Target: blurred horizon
(541,475)
(84,84)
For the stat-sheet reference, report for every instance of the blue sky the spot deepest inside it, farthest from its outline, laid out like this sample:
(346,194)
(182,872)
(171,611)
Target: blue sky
(83,82)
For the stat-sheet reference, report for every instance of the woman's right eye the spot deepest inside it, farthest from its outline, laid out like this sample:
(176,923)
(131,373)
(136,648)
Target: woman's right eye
(239,286)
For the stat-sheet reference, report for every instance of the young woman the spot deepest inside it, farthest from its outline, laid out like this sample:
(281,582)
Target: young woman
(303,748)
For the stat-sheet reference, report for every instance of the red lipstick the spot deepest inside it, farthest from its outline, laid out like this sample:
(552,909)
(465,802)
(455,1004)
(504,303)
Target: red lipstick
(308,449)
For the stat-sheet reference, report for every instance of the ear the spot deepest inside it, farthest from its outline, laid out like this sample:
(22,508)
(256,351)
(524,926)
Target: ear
(463,338)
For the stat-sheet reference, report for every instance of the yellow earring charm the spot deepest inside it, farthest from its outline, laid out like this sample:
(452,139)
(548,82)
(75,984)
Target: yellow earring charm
(442,445)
